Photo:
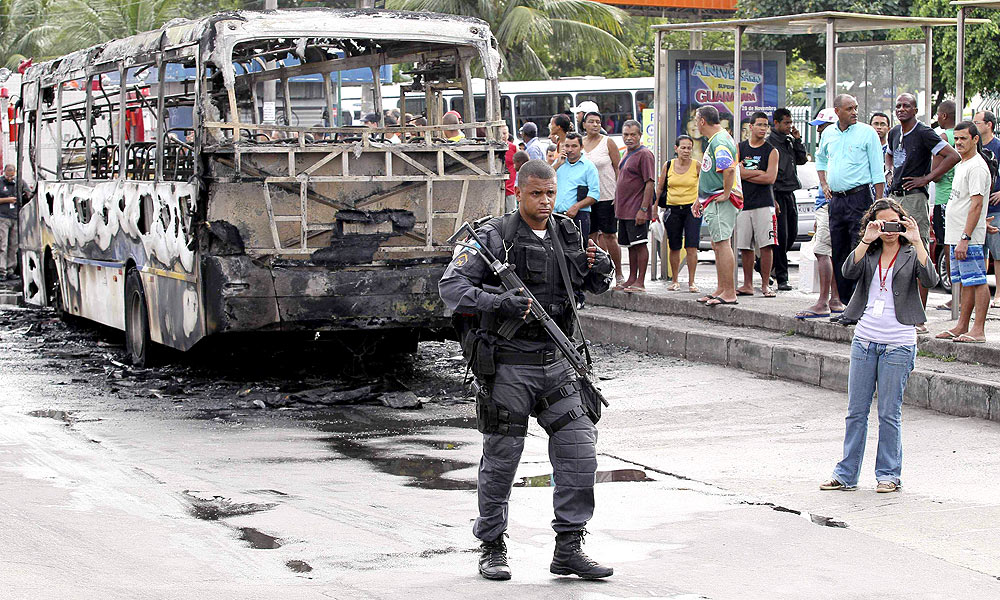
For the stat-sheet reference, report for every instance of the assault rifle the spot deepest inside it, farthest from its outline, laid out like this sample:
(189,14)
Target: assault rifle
(511,281)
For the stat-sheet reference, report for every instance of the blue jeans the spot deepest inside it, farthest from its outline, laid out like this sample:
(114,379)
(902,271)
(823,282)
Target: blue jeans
(886,368)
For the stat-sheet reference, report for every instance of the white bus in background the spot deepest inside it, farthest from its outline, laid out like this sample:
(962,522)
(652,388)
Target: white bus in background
(521,101)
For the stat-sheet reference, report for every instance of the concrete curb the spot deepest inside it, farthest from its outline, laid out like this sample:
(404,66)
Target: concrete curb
(946,393)
(747,317)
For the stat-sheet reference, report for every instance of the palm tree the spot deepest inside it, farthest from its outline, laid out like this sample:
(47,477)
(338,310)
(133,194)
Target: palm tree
(25,29)
(525,27)
(84,23)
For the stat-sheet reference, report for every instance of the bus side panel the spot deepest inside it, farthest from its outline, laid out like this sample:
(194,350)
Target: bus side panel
(175,303)
(31,255)
(95,292)
(102,229)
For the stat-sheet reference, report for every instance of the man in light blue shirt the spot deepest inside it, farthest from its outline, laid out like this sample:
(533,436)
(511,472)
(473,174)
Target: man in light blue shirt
(849,164)
(532,143)
(577,183)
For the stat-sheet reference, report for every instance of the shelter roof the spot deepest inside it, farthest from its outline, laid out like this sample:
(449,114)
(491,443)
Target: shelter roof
(816,23)
(976,3)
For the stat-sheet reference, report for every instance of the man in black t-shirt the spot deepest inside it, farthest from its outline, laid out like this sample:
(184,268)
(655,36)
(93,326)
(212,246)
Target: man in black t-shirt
(912,147)
(756,226)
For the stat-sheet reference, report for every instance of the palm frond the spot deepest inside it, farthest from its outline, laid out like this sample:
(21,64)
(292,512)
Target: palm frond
(590,40)
(523,24)
(593,13)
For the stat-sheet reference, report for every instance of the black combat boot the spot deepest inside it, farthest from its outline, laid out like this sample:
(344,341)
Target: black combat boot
(493,560)
(569,558)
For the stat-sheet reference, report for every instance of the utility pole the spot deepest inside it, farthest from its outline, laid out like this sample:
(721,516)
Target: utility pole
(271,85)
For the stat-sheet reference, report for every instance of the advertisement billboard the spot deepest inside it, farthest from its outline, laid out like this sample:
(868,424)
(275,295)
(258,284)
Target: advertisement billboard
(697,78)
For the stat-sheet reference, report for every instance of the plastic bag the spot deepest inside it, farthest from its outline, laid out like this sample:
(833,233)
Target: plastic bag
(808,268)
(657,231)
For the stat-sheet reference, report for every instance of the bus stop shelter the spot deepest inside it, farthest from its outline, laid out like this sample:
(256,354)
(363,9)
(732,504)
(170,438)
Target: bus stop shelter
(830,23)
(963,7)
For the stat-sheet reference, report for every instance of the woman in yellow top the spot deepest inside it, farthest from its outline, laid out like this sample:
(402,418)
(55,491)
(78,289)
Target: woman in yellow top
(680,176)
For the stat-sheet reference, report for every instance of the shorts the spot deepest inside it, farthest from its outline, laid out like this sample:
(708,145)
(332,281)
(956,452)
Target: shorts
(971,271)
(602,217)
(937,222)
(915,205)
(993,239)
(756,228)
(720,219)
(683,228)
(630,234)
(821,241)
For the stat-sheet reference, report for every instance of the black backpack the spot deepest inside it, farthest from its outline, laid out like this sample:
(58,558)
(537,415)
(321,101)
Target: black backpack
(993,164)
(662,200)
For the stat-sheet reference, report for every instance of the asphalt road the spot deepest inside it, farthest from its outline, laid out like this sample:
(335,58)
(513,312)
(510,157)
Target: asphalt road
(114,489)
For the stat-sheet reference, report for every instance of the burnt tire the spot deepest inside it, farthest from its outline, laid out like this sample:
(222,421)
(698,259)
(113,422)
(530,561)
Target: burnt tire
(137,342)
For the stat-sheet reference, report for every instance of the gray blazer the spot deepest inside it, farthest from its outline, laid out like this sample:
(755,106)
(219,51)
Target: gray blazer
(905,273)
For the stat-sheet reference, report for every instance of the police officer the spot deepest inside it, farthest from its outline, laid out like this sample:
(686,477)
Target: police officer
(523,374)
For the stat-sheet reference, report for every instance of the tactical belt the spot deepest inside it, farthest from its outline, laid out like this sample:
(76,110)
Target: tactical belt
(537,359)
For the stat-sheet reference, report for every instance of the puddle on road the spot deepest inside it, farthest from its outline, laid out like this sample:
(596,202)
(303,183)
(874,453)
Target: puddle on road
(258,539)
(299,566)
(616,476)
(424,471)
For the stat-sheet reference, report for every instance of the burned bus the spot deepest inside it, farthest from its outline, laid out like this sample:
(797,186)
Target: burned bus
(182,190)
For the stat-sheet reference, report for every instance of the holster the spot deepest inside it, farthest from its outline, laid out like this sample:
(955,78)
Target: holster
(493,418)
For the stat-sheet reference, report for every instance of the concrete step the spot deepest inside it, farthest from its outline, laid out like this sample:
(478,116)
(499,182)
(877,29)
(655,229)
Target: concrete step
(947,386)
(777,315)
(8,298)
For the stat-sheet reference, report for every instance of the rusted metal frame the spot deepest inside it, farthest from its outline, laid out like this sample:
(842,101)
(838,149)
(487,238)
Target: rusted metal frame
(89,136)
(470,103)
(378,197)
(328,96)
(463,160)
(59,152)
(255,100)
(322,162)
(440,162)
(492,108)
(388,163)
(377,95)
(256,174)
(460,213)
(491,157)
(161,117)
(303,214)
(384,178)
(270,216)
(286,100)
(345,164)
(291,163)
(402,155)
(344,130)
(122,142)
(348,63)
(429,234)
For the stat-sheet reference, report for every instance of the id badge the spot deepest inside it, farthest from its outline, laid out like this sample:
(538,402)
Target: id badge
(878,307)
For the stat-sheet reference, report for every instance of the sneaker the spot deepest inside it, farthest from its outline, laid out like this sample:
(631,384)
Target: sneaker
(884,487)
(835,484)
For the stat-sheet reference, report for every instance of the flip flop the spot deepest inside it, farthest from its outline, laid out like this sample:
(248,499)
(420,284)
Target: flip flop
(946,335)
(635,290)
(718,301)
(674,287)
(993,304)
(967,339)
(809,314)
(769,294)
(837,311)
(942,307)
(693,289)
(739,293)
(705,299)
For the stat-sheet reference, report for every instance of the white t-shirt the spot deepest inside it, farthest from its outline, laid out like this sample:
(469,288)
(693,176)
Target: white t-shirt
(972,177)
(883,329)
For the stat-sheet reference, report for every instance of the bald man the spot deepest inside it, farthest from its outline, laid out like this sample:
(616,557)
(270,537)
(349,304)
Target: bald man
(452,118)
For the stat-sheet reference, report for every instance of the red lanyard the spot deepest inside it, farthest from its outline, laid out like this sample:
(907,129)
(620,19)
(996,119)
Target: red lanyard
(881,277)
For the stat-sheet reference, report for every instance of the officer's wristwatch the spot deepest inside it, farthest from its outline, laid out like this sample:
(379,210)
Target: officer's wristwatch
(966,236)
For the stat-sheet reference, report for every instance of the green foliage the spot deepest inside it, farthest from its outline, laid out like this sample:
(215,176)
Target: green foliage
(799,75)
(982,50)
(25,27)
(531,32)
(84,23)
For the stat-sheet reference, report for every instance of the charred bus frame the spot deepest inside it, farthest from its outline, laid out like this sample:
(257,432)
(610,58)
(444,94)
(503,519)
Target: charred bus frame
(227,221)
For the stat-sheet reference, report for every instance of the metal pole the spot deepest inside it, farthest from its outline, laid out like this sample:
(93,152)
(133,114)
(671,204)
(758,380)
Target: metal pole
(737,105)
(928,74)
(831,61)
(956,288)
(271,85)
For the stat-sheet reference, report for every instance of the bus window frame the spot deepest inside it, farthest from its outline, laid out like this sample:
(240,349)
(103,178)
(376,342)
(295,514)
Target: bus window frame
(543,129)
(593,96)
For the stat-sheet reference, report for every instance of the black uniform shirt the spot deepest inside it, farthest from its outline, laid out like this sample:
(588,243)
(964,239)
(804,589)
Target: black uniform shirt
(912,153)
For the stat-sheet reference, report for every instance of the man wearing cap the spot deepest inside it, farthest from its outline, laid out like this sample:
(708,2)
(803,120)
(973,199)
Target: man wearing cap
(532,145)
(787,140)
(581,111)
(828,301)
(848,163)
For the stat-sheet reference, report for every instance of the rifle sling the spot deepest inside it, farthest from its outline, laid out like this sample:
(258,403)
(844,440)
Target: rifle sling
(564,272)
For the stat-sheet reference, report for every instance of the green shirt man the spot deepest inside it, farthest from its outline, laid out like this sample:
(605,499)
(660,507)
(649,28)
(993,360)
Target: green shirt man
(942,189)
(720,154)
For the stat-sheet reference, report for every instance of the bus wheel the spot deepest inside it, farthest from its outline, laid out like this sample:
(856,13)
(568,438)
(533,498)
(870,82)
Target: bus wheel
(137,342)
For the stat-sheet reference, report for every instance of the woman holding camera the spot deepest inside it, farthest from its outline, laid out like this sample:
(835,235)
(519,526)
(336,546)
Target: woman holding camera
(888,262)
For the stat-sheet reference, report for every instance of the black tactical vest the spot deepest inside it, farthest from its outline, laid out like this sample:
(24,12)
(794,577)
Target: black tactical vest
(535,262)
